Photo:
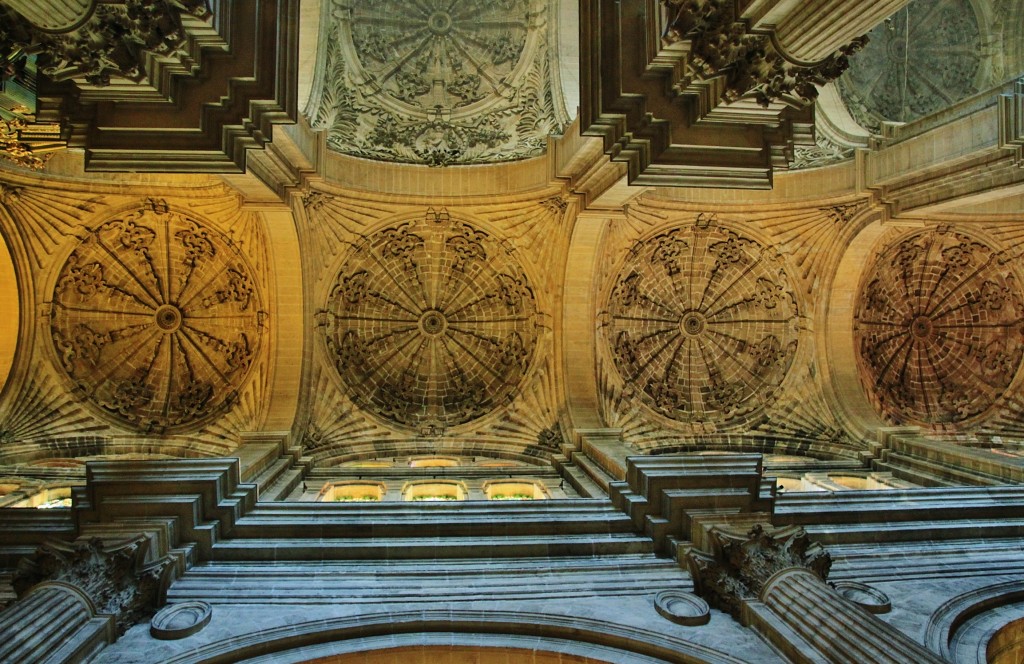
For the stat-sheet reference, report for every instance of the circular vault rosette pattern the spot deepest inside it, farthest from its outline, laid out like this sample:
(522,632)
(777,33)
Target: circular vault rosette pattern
(938,328)
(431,323)
(921,60)
(157,319)
(702,324)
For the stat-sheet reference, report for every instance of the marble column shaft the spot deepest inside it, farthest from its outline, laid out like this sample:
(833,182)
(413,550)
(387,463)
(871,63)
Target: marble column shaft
(54,15)
(53,622)
(814,30)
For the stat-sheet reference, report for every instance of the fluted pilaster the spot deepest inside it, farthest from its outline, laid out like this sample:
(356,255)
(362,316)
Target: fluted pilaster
(54,622)
(54,15)
(841,631)
(814,30)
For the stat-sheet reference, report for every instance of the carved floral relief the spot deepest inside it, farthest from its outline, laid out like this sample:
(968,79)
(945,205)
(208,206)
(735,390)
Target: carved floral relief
(701,324)
(157,319)
(431,323)
(938,328)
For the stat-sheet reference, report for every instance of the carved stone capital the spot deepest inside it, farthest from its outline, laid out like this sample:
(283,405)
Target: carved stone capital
(117,579)
(739,565)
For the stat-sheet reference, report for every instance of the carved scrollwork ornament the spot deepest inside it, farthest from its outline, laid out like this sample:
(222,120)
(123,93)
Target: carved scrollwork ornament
(116,578)
(431,323)
(938,328)
(739,566)
(702,323)
(157,319)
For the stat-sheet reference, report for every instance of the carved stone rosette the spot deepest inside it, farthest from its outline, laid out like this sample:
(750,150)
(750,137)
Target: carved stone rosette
(938,328)
(116,579)
(702,324)
(431,323)
(157,319)
(740,566)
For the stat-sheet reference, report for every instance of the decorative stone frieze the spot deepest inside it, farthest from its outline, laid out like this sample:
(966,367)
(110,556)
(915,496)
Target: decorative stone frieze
(116,578)
(740,566)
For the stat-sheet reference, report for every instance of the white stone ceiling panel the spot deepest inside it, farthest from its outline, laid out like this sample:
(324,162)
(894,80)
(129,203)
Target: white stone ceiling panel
(437,82)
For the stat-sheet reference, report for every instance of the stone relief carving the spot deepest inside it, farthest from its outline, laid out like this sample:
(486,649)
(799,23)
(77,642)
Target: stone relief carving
(431,323)
(463,82)
(116,578)
(701,323)
(157,318)
(116,40)
(937,328)
(720,45)
(739,566)
(823,153)
(924,58)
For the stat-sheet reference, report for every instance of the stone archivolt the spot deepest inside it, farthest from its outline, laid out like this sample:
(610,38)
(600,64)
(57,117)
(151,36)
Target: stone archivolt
(435,83)
(938,328)
(157,319)
(701,323)
(431,323)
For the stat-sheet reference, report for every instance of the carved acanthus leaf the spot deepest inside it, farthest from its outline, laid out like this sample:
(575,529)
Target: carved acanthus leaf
(116,579)
(739,566)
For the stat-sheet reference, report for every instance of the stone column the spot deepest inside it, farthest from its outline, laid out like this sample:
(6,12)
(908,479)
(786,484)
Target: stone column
(75,598)
(814,30)
(775,582)
(54,15)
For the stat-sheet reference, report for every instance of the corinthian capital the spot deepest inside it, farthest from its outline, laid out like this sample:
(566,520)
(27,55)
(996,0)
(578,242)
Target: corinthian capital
(117,579)
(740,564)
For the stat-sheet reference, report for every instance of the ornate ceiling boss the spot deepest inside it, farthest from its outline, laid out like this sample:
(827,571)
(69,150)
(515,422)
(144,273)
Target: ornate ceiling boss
(157,318)
(938,328)
(701,323)
(431,323)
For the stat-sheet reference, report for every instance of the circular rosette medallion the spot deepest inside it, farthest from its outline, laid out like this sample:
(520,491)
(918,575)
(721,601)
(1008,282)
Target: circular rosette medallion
(431,323)
(701,323)
(938,328)
(157,319)
(434,56)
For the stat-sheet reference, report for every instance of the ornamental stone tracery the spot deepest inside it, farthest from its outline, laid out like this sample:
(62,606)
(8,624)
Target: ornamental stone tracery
(431,323)
(702,324)
(157,319)
(436,83)
(938,328)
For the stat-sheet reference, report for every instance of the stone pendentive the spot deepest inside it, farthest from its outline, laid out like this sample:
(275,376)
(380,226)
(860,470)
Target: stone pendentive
(740,565)
(431,323)
(921,60)
(937,328)
(461,82)
(157,319)
(701,323)
(116,579)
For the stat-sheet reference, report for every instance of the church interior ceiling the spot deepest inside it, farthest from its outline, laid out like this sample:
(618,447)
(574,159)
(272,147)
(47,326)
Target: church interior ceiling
(152,314)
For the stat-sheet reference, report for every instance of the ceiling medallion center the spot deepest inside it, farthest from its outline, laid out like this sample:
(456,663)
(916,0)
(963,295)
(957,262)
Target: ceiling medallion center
(432,323)
(921,327)
(440,23)
(692,323)
(168,318)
